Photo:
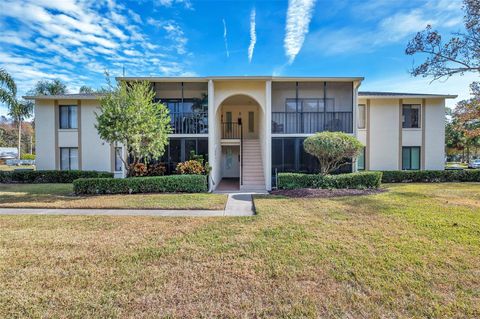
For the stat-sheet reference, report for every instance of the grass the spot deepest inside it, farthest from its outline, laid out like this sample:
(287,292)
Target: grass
(450,164)
(61,196)
(11,168)
(413,251)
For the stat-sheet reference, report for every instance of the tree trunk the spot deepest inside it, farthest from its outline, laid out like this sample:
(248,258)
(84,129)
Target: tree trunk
(19,138)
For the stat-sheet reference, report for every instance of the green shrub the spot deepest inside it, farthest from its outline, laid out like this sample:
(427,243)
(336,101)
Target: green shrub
(37,177)
(331,149)
(155,184)
(26,156)
(351,180)
(431,176)
(190,167)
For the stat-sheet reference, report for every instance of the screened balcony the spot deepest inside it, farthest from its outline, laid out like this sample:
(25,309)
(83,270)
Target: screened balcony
(310,107)
(188,105)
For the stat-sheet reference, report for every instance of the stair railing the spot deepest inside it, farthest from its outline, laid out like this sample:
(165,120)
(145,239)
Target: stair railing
(241,154)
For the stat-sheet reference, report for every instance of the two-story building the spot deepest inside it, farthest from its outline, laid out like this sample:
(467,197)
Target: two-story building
(252,127)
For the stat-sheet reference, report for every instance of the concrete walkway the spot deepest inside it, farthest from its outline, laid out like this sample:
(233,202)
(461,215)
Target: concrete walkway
(237,205)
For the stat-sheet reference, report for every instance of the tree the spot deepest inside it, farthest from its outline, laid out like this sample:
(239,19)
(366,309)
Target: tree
(128,116)
(8,89)
(331,149)
(467,113)
(86,89)
(18,110)
(458,55)
(45,87)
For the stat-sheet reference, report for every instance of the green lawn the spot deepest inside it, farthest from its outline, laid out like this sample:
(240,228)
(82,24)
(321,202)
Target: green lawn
(61,196)
(11,168)
(411,252)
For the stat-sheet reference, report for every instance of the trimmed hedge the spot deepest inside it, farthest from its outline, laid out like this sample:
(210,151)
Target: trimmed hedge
(131,185)
(431,176)
(37,177)
(351,180)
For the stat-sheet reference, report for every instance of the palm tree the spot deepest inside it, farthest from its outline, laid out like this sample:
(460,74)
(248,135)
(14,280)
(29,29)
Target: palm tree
(19,111)
(8,89)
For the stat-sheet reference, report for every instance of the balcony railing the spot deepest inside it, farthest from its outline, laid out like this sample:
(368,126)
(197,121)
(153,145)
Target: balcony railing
(189,122)
(311,122)
(231,131)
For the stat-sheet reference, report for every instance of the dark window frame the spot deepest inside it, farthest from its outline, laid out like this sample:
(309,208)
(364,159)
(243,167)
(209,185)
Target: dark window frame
(364,106)
(69,149)
(118,165)
(363,155)
(181,143)
(251,120)
(413,124)
(409,168)
(70,123)
(186,121)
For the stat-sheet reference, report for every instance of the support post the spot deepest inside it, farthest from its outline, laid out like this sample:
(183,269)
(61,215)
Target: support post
(212,140)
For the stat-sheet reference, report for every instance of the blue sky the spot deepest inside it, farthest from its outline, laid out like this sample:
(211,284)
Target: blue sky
(76,41)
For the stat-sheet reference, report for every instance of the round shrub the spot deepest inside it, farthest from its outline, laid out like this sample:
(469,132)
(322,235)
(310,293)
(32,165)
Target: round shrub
(331,149)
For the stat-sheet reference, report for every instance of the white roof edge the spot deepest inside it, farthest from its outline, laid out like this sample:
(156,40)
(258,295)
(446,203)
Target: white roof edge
(239,78)
(410,96)
(62,97)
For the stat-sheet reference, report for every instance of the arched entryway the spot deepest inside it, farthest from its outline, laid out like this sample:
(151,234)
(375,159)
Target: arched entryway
(240,162)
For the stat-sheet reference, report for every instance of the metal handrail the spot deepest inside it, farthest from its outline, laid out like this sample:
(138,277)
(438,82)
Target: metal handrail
(241,154)
(311,122)
(231,130)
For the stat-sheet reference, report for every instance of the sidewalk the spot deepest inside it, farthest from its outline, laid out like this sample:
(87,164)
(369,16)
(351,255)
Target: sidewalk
(237,205)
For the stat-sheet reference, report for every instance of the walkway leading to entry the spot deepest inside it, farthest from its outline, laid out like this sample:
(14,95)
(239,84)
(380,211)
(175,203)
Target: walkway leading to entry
(240,204)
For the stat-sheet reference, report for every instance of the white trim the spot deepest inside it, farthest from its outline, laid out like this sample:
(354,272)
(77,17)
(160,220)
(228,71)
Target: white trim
(242,78)
(410,96)
(189,135)
(267,167)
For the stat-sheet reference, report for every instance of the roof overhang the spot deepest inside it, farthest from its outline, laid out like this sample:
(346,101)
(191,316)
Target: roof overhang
(407,96)
(240,78)
(64,97)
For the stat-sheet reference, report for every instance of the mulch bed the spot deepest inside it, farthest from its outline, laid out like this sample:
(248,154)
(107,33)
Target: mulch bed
(325,193)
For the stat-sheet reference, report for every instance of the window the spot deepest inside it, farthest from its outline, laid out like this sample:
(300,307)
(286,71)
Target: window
(251,118)
(118,159)
(411,116)
(68,116)
(362,114)
(68,158)
(411,158)
(361,160)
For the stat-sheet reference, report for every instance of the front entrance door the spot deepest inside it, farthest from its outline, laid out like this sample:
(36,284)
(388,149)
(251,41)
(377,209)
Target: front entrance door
(231,161)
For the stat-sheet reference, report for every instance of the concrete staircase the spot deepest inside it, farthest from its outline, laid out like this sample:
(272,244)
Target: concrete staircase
(253,178)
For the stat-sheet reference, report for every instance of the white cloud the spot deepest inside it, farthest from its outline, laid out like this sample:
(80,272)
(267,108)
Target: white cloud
(253,35)
(299,14)
(392,27)
(174,33)
(225,38)
(75,40)
(168,3)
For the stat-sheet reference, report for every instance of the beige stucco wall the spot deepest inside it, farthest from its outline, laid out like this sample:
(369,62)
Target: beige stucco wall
(45,134)
(96,153)
(220,91)
(385,128)
(435,134)
(384,134)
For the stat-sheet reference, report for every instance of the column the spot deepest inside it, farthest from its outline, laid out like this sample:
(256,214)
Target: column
(268,135)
